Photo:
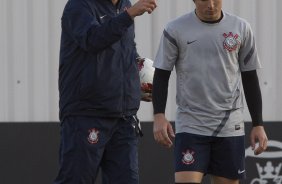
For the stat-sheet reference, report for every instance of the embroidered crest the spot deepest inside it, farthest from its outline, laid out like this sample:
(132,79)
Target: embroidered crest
(188,157)
(231,41)
(93,136)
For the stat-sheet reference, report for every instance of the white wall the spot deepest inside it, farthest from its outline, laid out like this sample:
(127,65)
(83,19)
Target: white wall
(29,49)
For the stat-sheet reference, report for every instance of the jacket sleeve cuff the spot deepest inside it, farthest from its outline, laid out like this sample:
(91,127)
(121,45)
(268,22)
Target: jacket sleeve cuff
(125,19)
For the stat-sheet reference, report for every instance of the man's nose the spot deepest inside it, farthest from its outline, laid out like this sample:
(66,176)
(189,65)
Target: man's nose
(211,4)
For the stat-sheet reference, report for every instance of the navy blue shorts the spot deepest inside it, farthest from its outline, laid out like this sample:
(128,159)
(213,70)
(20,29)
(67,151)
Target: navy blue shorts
(218,156)
(90,143)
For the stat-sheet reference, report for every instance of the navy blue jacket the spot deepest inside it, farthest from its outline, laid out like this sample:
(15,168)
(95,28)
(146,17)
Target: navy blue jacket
(98,73)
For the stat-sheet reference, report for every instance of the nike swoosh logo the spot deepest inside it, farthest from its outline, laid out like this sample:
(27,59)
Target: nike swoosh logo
(103,16)
(191,42)
(240,172)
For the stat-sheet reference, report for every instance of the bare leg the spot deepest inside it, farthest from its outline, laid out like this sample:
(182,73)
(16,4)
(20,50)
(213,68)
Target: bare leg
(188,176)
(222,180)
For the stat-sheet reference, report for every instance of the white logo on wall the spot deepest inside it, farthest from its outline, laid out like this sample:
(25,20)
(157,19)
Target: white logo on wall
(270,172)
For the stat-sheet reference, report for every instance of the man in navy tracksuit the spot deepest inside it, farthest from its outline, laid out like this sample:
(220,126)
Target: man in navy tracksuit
(99,89)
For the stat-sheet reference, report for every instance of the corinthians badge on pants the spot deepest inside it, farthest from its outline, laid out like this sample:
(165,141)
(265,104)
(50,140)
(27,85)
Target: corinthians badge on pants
(93,136)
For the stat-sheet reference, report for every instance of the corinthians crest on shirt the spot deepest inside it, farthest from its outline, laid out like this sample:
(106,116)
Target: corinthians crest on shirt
(93,136)
(231,42)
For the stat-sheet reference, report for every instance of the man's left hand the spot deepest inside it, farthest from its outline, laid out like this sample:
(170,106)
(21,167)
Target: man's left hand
(258,134)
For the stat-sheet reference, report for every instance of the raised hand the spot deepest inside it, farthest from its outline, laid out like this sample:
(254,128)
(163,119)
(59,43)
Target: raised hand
(142,6)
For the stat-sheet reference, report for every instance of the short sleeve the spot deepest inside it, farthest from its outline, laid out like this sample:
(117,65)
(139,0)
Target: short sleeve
(248,55)
(168,51)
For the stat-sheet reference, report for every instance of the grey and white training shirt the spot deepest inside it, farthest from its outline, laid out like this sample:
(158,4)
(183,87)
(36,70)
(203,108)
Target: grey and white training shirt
(209,59)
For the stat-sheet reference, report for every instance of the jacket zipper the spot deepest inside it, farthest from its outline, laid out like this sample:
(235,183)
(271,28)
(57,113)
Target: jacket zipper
(123,75)
(123,113)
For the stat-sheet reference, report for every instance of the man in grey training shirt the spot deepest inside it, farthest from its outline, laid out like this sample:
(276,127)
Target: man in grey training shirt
(215,57)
